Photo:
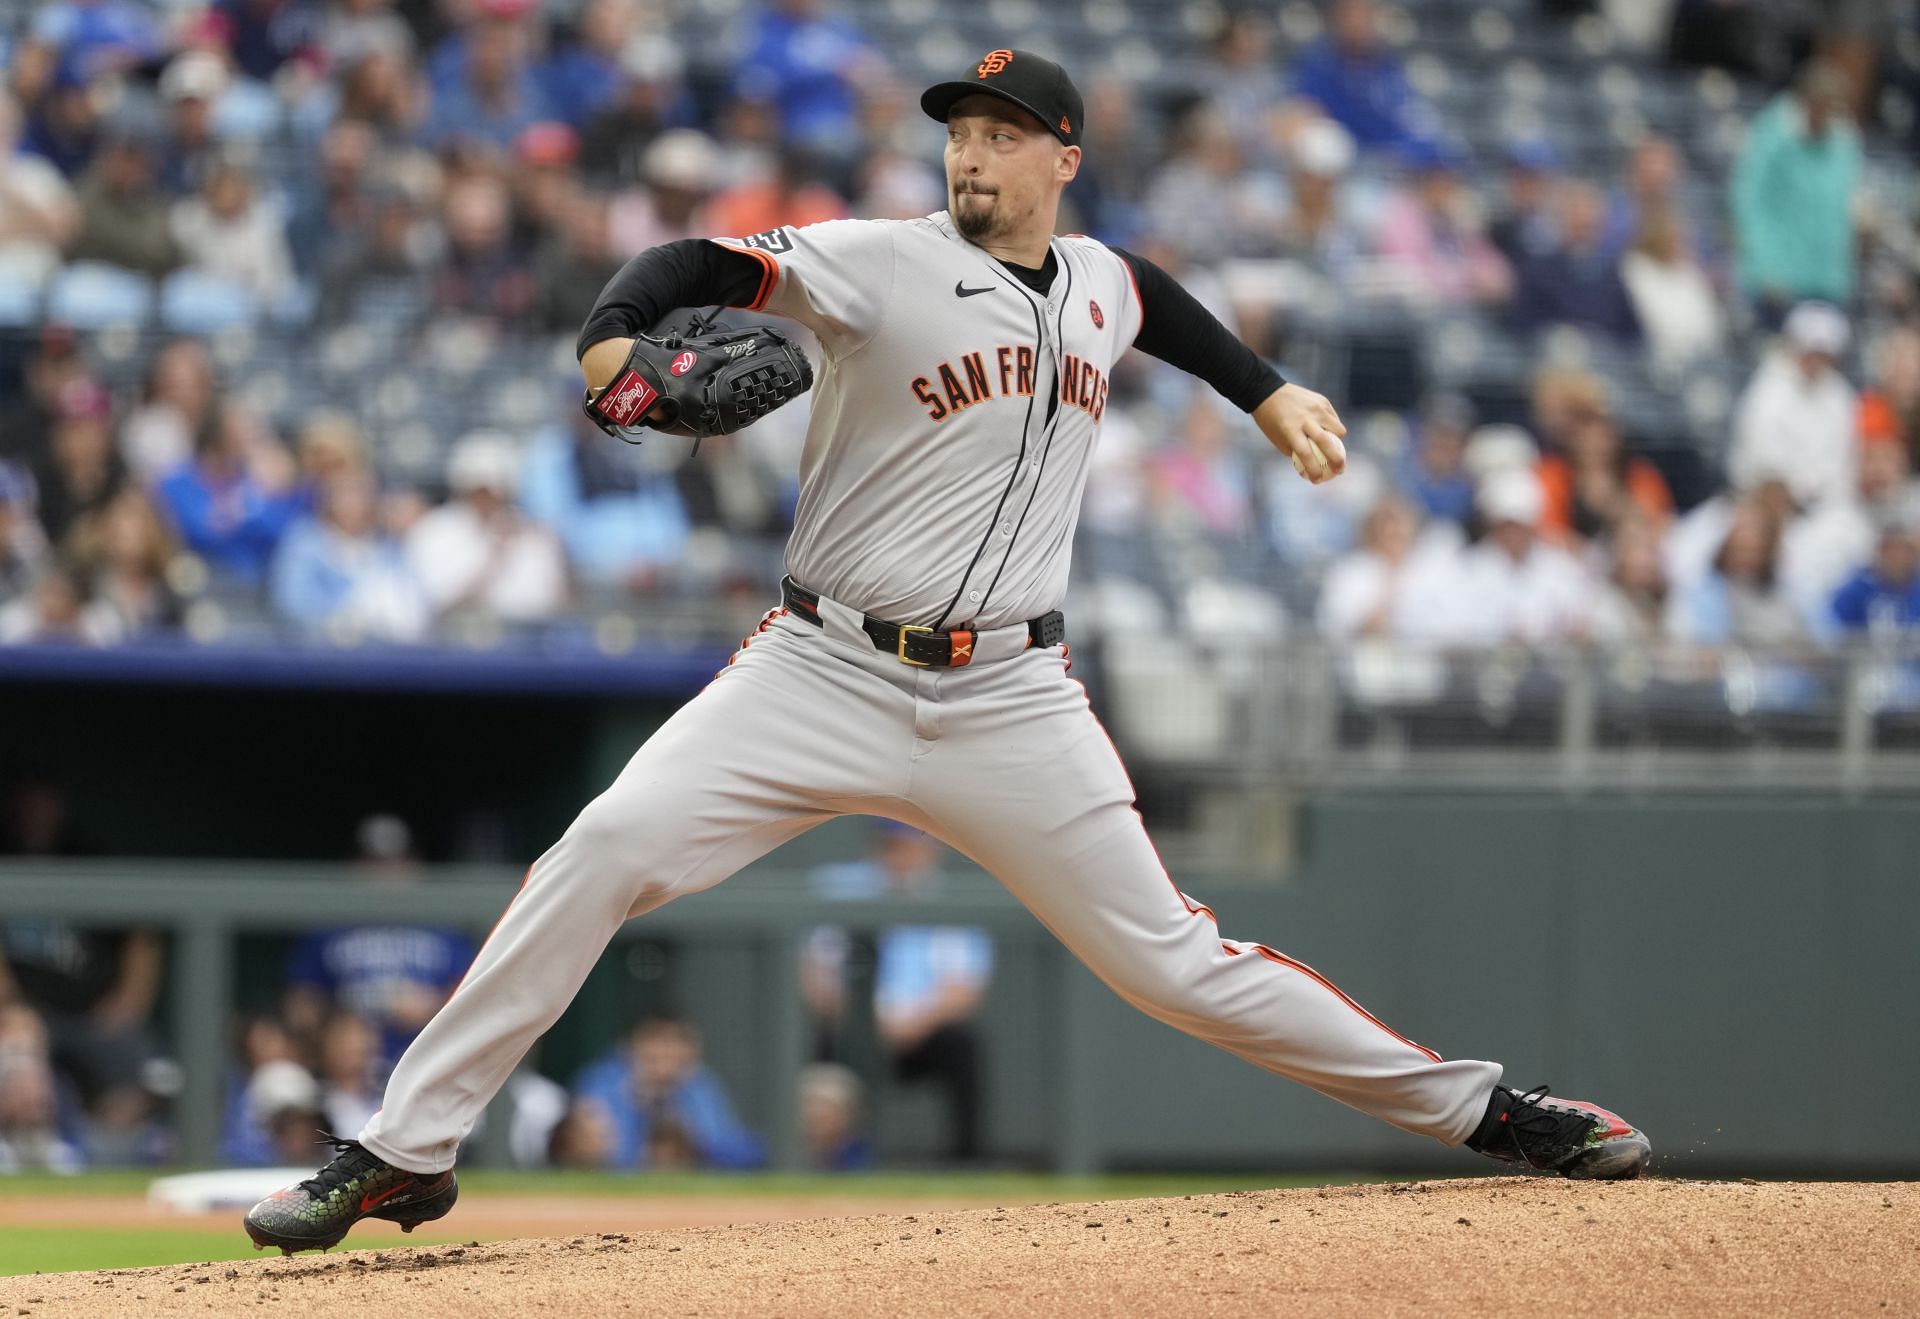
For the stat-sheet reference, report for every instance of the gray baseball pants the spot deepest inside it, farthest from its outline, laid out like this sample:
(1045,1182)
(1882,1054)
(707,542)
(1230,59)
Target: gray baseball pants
(1001,759)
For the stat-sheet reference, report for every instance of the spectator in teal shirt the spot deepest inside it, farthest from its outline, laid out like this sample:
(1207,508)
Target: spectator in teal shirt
(1793,196)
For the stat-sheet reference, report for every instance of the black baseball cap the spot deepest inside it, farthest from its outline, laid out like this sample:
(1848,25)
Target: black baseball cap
(1032,82)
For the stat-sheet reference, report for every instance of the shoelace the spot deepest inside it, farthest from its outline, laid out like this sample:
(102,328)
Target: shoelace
(1538,1120)
(352,1159)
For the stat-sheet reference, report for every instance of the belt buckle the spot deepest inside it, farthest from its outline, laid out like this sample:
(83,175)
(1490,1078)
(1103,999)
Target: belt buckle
(901,645)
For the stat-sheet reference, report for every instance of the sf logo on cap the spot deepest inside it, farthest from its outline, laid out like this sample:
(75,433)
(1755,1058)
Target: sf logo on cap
(995,61)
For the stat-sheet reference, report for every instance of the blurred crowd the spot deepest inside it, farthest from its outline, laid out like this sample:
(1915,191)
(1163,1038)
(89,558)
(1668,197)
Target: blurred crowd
(1479,540)
(229,227)
(354,997)
(83,1078)
(418,181)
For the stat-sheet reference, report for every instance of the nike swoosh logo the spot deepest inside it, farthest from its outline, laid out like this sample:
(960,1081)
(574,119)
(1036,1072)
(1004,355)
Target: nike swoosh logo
(961,291)
(369,1201)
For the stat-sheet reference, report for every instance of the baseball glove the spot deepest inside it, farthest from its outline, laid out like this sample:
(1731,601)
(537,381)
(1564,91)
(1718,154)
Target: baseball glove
(703,381)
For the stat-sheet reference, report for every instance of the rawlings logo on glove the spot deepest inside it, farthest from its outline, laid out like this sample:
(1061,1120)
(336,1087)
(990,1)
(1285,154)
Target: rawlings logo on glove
(626,401)
(701,382)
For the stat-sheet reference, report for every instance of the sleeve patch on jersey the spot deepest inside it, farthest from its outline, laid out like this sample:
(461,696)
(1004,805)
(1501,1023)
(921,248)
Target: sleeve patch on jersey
(775,241)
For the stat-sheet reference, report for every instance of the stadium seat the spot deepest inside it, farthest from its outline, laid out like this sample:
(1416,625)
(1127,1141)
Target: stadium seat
(91,295)
(1169,703)
(297,305)
(198,302)
(19,300)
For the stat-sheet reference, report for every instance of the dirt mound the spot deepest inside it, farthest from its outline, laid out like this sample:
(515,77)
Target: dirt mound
(492,1217)
(1456,1247)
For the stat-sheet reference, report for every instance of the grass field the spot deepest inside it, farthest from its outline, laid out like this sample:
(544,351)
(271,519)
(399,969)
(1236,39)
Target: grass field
(73,1243)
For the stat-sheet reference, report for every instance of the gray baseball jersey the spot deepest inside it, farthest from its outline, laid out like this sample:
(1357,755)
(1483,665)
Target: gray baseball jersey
(954,414)
(953,417)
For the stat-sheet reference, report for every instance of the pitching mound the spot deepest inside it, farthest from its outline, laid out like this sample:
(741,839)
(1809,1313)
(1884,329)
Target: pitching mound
(1456,1247)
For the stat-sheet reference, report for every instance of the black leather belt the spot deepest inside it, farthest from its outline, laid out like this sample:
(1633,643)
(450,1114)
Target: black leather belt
(921,646)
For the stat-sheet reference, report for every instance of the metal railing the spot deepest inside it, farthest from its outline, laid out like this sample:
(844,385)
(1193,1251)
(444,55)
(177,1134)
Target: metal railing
(1304,715)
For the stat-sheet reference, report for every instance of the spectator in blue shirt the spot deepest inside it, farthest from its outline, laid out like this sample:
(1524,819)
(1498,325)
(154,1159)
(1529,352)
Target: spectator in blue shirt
(445,65)
(830,1119)
(274,1118)
(667,1108)
(22,543)
(929,979)
(339,571)
(497,95)
(1359,83)
(64,126)
(1884,597)
(622,524)
(1577,280)
(808,67)
(265,34)
(585,75)
(97,37)
(236,499)
(245,1141)
(1652,184)
(1433,470)
(651,96)
(1525,224)
(395,976)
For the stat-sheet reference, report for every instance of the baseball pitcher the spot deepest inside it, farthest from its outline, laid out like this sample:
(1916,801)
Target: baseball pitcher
(917,666)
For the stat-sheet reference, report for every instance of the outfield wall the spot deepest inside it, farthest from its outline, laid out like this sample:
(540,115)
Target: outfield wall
(1735,974)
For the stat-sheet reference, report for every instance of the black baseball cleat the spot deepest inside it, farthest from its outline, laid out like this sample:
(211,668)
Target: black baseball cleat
(315,1214)
(1566,1136)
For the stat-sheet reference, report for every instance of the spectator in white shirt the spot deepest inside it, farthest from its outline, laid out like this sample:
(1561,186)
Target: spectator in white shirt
(38,213)
(180,392)
(1631,606)
(1510,586)
(230,230)
(1362,589)
(1797,419)
(477,552)
(1740,601)
(1695,538)
(1672,297)
(1821,549)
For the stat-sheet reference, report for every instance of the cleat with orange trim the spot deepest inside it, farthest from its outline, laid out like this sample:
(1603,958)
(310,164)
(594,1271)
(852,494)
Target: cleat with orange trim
(316,1214)
(1566,1136)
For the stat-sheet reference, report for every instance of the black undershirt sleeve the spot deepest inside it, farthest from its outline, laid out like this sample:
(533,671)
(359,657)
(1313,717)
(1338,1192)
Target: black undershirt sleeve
(1175,328)
(690,272)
